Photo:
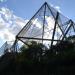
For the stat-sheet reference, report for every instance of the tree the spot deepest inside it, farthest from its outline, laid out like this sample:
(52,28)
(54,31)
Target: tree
(34,51)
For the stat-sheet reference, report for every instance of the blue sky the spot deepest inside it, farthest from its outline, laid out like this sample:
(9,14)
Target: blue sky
(25,9)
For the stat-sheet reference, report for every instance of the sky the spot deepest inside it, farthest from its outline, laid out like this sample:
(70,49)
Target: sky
(27,8)
(14,14)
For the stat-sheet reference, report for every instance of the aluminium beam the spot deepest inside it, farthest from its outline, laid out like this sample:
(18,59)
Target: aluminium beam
(55,19)
(32,18)
(43,22)
(54,28)
(36,38)
(67,30)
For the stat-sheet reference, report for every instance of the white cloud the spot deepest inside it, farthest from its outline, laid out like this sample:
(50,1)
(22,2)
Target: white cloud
(37,23)
(10,24)
(57,8)
(6,35)
(3,1)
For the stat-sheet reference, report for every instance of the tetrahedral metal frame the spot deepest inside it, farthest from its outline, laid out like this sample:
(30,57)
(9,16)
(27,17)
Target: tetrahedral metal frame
(62,25)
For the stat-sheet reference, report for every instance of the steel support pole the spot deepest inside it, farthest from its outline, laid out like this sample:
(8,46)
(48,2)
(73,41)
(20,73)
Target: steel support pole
(14,46)
(73,25)
(44,22)
(67,30)
(36,39)
(31,19)
(55,19)
(54,29)
(23,41)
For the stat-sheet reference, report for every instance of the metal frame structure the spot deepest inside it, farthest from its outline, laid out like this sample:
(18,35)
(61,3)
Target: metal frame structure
(47,25)
(63,23)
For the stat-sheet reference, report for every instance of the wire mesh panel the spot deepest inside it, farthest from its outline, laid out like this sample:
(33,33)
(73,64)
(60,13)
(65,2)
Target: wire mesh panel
(38,26)
(71,29)
(6,47)
(46,26)
(3,47)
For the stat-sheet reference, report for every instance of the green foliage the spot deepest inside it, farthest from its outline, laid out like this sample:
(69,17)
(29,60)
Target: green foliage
(40,53)
(32,53)
(37,58)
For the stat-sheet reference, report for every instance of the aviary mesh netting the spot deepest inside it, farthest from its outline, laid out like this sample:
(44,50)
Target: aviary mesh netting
(47,26)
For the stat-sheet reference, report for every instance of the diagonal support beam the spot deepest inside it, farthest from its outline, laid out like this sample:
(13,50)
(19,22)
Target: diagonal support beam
(67,30)
(14,47)
(61,31)
(73,25)
(51,11)
(31,18)
(54,29)
(23,41)
(43,22)
(55,19)
(36,39)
